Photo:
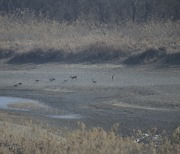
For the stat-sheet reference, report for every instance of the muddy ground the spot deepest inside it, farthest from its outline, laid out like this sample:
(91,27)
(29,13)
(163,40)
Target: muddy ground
(138,97)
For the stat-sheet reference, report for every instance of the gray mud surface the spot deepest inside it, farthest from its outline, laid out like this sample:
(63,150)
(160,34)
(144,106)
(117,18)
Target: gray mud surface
(141,97)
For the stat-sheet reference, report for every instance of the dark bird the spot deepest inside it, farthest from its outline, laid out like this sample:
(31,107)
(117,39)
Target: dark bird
(20,83)
(52,79)
(113,77)
(73,77)
(94,81)
(65,81)
(15,85)
(36,81)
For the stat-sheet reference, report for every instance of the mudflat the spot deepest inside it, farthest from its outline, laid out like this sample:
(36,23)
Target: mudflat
(137,97)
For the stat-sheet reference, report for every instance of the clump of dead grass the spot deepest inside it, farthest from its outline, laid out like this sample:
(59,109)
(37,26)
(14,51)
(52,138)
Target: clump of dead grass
(32,139)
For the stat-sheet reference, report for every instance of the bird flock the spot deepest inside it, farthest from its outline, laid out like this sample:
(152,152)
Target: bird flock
(66,80)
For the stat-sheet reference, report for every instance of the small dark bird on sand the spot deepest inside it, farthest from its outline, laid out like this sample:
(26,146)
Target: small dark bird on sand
(65,81)
(94,81)
(113,77)
(52,79)
(15,85)
(36,81)
(73,77)
(20,83)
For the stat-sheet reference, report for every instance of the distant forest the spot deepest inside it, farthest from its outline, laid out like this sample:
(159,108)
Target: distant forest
(101,10)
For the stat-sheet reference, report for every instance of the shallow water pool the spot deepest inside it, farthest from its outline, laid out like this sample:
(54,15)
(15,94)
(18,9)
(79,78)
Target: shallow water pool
(5,101)
(68,116)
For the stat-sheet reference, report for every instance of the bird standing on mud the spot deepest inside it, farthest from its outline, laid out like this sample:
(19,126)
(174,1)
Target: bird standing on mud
(15,85)
(73,77)
(52,79)
(113,77)
(65,81)
(93,81)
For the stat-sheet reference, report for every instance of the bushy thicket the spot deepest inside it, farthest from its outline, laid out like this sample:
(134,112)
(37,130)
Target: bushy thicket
(101,10)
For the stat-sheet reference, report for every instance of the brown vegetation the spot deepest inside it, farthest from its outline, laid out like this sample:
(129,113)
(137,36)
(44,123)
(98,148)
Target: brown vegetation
(31,39)
(33,139)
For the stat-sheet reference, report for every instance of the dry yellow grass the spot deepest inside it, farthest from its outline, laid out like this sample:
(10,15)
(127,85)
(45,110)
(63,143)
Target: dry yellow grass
(29,138)
(27,33)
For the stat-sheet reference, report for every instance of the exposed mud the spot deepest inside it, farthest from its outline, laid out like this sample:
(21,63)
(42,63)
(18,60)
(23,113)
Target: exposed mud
(140,97)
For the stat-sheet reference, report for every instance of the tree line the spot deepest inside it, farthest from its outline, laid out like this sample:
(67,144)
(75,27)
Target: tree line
(101,10)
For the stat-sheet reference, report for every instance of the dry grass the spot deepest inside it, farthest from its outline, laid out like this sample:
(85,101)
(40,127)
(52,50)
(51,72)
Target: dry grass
(29,138)
(28,33)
